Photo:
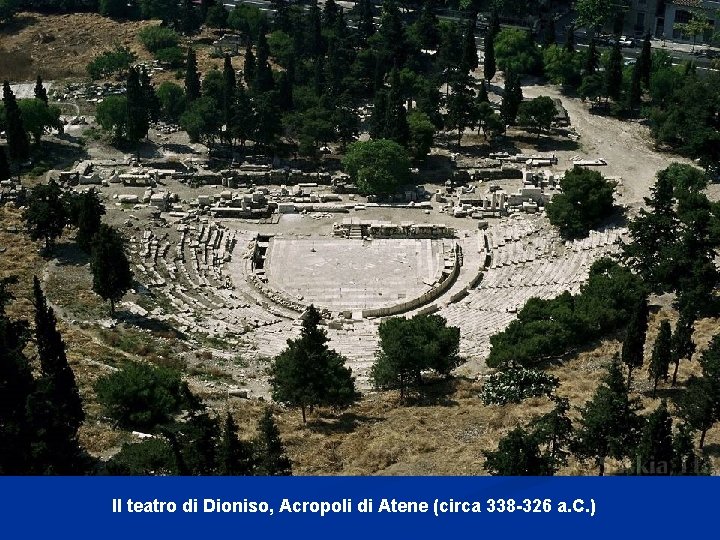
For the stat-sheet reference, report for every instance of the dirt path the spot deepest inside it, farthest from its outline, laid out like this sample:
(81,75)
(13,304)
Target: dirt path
(626,146)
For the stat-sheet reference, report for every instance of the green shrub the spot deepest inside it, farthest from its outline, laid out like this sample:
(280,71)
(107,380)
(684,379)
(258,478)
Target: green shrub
(516,384)
(172,56)
(141,396)
(155,38)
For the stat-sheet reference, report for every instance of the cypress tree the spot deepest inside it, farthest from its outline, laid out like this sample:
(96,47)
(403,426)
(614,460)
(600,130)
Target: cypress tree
(378,119)
(4,165)
(17,138)
(635,91)
(661,356)
(686,462)
(249,66)
(645,61)
(469,59)
(270,457)
(228,97)
(592,59)
(234,456)
(151,101)
(608,422)
(655,454)
(137,113)
(315,45)
(570,39)
(482,96)
(366,25)
(613,74)
(89,218)
(634,342)
(550,33)
(396,124)
(40,92)
(192,77)
(329,13)
(16,386)
(489,65)
(511,99)
(55,407)
(682,343)
(110,267)
(45,215)
(263,74)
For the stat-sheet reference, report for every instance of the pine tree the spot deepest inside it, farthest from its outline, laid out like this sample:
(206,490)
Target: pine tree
(554,430)
(469,61)
(234,455)
(45,215)
(661,356)
(55,407)
(655,449)
(459,106)
(682,343)
(613,73)
(518,454)
(308,373)
(366,25)
(608,422)
(110,267)
(16,386)
(634,342)
(40,92)
(249,66)
(17,138)
(270,457)
(192,77)
(645,61)
(489,65)
(137,124)
(592,59)
(4,165)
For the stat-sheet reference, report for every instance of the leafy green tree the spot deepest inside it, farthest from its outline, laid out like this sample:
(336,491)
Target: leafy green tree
(110,267)
(37,116)
(308,373)
(538,114)
(235,457)
(487,120)
(608,425)
(192,77)
(655,452)
(141,396)
(270,456)
(422,132)
(698,25)
(55,407)
(585,202)
(377,166)
(111,114)
(86,214)
(172,101)
(562,66)
(17,140)
(115,62)
(593,14)
(511,99)
(516,52)
(410,346)
(682,343)
(202,120)
(633,346)
(40,92)
(613,73)
(661,355)
(217,16)
(247,20)
(518,454)
(45,215)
